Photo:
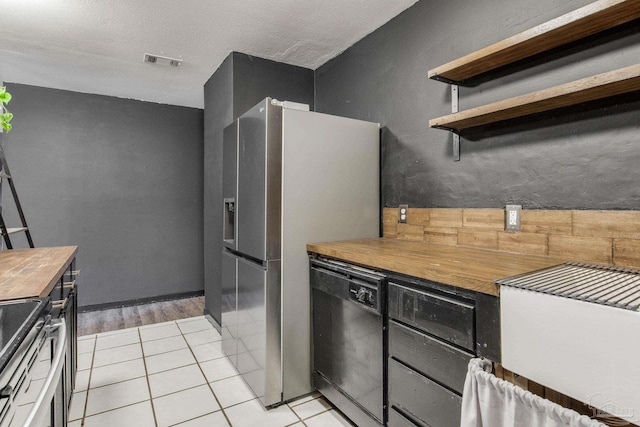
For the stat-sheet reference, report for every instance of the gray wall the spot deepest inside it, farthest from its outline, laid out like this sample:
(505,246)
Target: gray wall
(237,85)
(582,157)
(122,179)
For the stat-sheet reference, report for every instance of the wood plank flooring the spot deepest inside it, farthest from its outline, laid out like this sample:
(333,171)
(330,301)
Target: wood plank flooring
(93,322)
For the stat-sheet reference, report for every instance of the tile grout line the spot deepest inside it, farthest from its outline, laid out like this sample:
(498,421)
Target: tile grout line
(148,340)
(116,332)
(320,413)
(124,345)
(226,417)
(310,397)
(192,419)
(144,362)
(116,382)
(135,358)
(171,369)
(314,415)
(111,364)
(115,409)
(295,413)
(86,399)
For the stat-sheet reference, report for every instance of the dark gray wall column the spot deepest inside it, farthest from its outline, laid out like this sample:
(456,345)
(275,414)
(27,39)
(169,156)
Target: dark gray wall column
(122,179)
(255,79)
(218,113)
(583,157)
(238,84)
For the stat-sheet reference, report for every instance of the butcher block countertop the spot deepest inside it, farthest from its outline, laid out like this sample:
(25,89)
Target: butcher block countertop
(473,269)
(28,273)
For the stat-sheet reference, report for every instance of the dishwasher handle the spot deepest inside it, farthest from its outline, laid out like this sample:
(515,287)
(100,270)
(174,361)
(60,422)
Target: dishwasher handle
(56,330)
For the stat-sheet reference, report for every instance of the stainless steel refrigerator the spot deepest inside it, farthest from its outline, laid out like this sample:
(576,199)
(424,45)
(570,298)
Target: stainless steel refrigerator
(290,177)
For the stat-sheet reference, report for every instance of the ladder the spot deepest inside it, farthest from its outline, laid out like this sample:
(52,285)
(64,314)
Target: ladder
(5,174)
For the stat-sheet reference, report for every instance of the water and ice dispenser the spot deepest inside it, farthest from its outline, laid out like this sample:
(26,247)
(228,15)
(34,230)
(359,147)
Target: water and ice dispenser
(228,231)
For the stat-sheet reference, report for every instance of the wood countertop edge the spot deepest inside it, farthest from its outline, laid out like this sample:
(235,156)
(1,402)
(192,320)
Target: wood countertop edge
(370,257)
(45,292)
(68,256)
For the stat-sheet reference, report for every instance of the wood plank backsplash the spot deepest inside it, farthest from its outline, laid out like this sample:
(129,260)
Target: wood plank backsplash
(599,237)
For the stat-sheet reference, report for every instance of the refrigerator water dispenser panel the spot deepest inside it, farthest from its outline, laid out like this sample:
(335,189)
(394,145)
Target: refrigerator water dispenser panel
(229,220)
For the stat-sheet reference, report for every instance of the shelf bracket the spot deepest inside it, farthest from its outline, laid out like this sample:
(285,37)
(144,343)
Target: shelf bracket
(443,79)
(454,109)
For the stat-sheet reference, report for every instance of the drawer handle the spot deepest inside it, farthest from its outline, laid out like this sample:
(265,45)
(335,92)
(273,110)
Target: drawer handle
(69,285)
(61,304)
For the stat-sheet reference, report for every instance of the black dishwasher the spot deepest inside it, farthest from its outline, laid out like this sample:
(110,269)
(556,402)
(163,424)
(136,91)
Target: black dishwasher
(348,339)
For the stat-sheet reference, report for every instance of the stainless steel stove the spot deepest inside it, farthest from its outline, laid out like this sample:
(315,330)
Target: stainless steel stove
(32,354)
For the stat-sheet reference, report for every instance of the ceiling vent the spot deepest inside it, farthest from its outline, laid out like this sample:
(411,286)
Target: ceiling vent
(162,60)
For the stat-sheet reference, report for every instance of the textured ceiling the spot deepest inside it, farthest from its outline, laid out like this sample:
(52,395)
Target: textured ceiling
(97,46)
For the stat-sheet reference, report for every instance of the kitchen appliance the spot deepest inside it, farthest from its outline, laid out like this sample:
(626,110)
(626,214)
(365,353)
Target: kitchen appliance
(32,360)
(290,176)
(348,339)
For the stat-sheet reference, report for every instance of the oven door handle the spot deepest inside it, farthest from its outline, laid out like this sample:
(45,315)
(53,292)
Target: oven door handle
(57,329)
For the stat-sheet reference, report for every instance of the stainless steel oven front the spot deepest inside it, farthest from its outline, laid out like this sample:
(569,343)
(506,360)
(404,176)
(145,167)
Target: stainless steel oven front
(32,387)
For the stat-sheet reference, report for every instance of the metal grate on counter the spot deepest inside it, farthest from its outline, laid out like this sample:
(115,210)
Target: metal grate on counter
(617,287)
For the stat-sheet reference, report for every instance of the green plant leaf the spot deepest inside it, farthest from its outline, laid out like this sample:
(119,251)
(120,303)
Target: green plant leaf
(5,97)
(5,116)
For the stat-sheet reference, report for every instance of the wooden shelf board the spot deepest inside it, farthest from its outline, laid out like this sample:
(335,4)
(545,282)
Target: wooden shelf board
(588,89)
(591,19)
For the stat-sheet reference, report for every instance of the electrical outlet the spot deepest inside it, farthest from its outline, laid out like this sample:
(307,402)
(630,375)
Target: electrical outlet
(403,211)
(512,217)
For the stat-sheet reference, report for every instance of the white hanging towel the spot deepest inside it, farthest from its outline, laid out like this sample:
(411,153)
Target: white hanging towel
(488,401)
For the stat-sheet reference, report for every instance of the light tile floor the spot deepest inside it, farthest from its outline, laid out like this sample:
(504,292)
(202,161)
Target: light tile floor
(175,374)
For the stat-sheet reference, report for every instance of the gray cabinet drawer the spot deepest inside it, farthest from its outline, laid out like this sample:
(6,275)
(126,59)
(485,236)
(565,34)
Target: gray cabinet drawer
(439,361)
(422,398)
(444,317)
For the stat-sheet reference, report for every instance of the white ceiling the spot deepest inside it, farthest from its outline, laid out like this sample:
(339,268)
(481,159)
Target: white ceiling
(97,46)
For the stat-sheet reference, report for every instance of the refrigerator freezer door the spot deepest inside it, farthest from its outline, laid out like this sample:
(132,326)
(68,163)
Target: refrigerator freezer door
(258,319)
(229,306)
(230,184)
(259,181)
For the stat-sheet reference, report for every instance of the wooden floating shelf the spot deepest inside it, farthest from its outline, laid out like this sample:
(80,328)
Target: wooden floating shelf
(589,89)
(593,18)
